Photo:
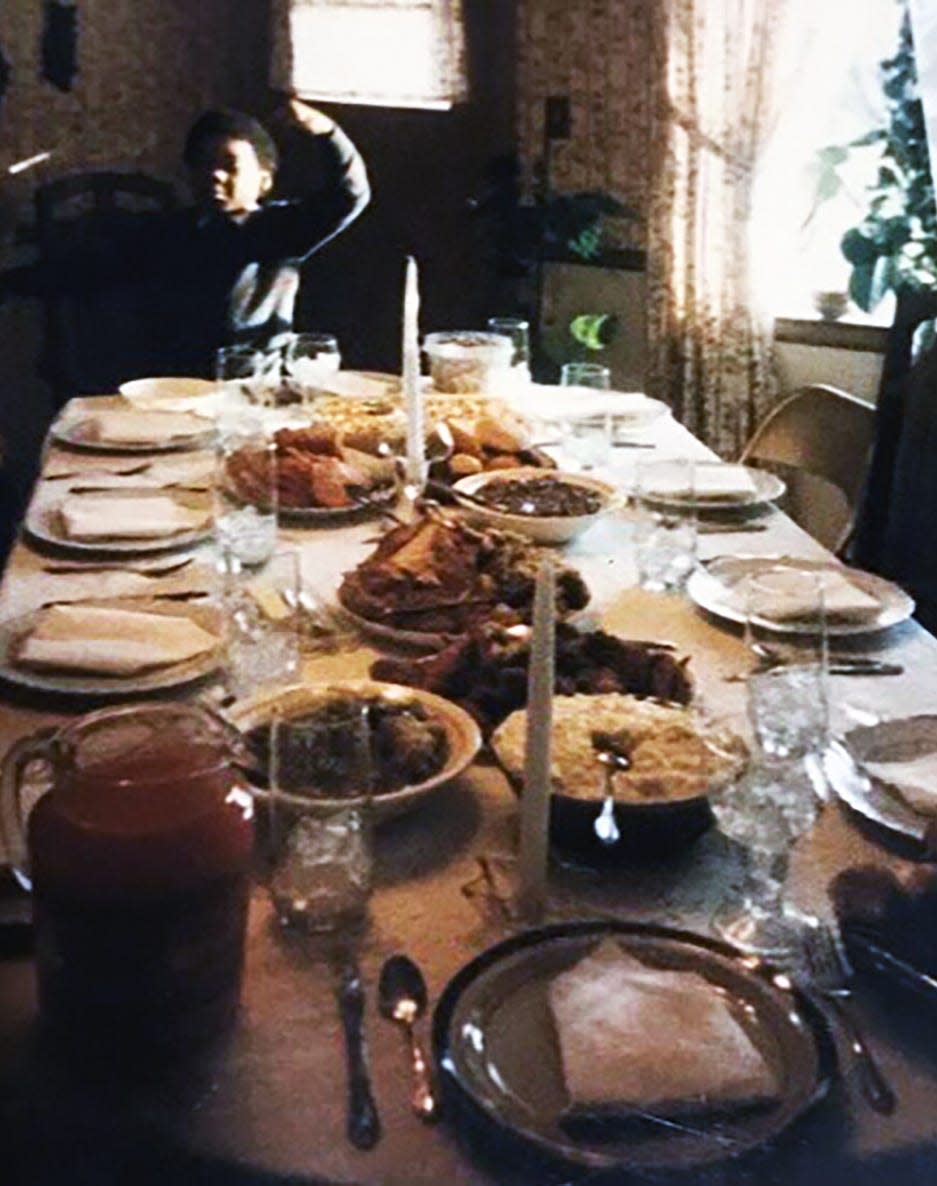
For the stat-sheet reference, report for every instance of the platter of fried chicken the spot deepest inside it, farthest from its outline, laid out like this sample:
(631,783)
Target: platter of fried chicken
(320,477)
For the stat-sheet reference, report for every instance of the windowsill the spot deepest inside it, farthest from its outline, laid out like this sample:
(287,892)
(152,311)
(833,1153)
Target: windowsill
(841,335)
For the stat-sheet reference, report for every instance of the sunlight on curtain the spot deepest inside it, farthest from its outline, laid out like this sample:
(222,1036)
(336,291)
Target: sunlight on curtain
(710,346)
(394,53)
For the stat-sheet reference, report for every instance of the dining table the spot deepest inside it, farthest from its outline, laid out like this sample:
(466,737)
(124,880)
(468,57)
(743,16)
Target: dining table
(269,1103)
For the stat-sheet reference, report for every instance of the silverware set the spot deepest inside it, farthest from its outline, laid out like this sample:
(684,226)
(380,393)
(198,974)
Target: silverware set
(402,1000)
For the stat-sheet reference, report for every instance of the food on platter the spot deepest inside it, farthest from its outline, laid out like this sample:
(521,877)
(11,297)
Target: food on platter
(408,745)
(634,1035)
(490,437)
(486,672)
(463,361)
(372,425)
(546,496)
(440,575)
(674,754)
(314,471)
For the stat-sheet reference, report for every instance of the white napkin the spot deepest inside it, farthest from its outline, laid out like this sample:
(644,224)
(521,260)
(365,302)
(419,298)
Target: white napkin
(110,641)
(842,600)
(142,428)
(730,482)
(632,1035)
(128,518)
(914,780)
(354,385)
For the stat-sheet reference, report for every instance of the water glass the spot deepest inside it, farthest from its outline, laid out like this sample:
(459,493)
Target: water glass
(785,629)
(586,374)
(249,378)
(245,490)
(308,360)
(319,854)
(518,330)
(587,440)
(262,624)
(665,535)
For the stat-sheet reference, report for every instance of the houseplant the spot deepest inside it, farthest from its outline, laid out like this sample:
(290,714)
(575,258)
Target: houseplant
(895,245)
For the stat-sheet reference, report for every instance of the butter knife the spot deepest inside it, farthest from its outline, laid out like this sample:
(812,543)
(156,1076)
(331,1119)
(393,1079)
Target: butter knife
(364,1125)
(861,666)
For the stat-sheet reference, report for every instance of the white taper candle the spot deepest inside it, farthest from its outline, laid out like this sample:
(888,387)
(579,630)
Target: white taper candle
(412,391)
(535,800)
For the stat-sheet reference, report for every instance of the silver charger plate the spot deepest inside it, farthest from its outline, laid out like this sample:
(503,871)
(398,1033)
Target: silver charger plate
(377,503)
(14,630)
(710,587)
(496,1045)
(43,523)
(899,740)
(72,432)
(768,488)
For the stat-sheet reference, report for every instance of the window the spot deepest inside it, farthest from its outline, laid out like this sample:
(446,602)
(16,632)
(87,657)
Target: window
(390,53)
(834,96)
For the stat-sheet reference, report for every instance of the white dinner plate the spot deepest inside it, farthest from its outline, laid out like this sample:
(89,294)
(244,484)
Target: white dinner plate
(170,392)
(76,432)
(44,523)
(898,740)
(711,588)
(159,679)
(767,488)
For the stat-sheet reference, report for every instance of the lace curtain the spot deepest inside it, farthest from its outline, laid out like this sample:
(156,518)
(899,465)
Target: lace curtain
(393,53)
(710,347)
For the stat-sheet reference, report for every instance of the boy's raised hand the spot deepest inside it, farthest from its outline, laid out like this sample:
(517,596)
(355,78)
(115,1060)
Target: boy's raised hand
(296,111)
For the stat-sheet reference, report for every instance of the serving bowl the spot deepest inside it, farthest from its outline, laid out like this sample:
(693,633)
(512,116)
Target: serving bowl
(542,529)
(462,733)
(651,826)
(174,392)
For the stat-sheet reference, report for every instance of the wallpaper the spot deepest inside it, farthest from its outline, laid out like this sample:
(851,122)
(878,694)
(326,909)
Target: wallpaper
(598,53)
(145,70)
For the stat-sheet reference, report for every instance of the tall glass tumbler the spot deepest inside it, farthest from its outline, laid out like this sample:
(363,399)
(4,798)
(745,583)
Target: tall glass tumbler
(308,360)
(665,530)
(245,491)
(318,825)
(586,374)
(518,330)
(248,378)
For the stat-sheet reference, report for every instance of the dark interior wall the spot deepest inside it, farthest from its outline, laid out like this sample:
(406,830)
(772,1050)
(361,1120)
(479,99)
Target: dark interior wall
(425,166)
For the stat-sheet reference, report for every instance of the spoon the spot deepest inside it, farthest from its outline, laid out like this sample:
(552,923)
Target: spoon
(401,994)
(605,826)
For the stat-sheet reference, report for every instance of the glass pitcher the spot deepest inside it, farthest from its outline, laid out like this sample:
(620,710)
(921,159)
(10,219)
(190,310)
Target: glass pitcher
(134,831)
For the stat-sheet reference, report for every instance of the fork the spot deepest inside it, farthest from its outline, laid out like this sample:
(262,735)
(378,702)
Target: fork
(830,974)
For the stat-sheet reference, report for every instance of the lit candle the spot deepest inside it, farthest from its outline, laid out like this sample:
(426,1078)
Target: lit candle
(535,800)
(412,392)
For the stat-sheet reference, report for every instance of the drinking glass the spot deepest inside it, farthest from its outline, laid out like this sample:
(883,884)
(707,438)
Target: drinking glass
(248,377)
(587,440)
(665,533)
(788,716)
(586,374)
(318,845)
(262,624)
(245,490)
(518,330)
(308,360)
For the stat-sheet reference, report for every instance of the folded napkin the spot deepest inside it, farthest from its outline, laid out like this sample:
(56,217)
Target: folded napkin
(641,1037)
(128,518)
(914,780)
(110,641)
(842,600)
(142,428)
(732,483)
(353,385)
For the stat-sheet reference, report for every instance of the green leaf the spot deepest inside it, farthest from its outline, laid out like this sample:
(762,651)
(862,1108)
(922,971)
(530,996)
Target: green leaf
(858,249)
(860,285)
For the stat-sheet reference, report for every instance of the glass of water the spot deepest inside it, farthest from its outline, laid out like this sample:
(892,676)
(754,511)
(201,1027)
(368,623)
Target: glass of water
(665,528)
(586,374)
(308,360)
(263,621)
(245,491)
(319,855)
(788,716)
(518,330)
